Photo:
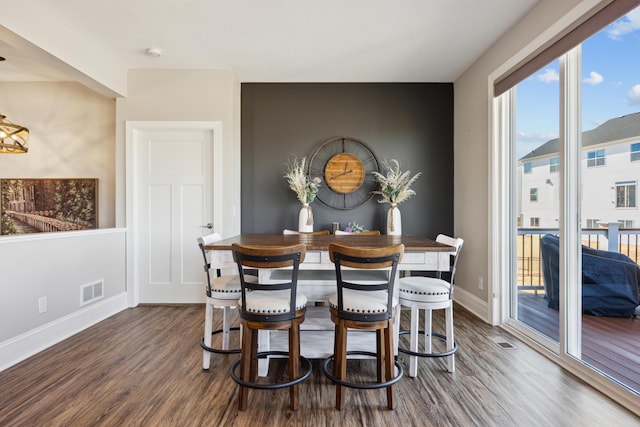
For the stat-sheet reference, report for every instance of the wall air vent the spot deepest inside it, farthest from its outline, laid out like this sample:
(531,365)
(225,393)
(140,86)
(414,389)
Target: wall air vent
(91,292)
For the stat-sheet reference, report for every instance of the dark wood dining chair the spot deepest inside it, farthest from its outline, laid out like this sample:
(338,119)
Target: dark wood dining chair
(270,307)
(364,305)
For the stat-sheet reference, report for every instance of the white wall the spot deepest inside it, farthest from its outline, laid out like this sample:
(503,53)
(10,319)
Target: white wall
(56,266)
(472,145)
(186,95)
(76,132)
(72,135)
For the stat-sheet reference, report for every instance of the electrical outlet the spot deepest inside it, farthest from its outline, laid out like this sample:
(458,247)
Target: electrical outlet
(42,305)
(480,282)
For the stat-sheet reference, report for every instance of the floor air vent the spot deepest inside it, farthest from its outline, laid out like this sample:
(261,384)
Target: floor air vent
(502,343)
(91,292)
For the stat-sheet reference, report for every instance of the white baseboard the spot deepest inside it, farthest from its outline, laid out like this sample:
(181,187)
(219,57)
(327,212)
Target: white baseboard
(472,303)
(23,346)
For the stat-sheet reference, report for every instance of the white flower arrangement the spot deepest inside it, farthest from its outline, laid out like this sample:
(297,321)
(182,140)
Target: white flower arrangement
(354,228)
(304,186)
(395,187)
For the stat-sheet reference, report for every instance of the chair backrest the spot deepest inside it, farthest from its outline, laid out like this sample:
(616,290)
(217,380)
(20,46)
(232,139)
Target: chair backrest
(202,242)
(366,258)
(360,233)
(453,260)
(270,257)
(319,232)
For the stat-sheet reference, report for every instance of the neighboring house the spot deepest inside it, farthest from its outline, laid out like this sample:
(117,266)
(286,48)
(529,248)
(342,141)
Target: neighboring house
(610,174)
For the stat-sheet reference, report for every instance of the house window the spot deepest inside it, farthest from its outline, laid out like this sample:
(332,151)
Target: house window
(635,151)
(593,223)
(626,223)
(534,221)
(626,194)
(554,164)
(595,158)
(533,194)
(527,167)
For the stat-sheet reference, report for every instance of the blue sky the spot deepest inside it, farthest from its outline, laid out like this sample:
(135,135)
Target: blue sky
(610,85)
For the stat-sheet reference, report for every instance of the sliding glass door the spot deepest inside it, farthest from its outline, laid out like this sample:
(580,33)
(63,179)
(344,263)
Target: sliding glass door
(535,167)
(573,144)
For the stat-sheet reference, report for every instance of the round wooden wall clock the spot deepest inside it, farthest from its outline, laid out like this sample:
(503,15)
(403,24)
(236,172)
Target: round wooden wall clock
(346,167)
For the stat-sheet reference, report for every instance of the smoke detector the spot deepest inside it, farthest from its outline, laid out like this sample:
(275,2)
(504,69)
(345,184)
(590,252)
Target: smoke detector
(154,51)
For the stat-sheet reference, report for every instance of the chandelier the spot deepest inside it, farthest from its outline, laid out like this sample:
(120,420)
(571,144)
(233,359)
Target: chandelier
(13,138)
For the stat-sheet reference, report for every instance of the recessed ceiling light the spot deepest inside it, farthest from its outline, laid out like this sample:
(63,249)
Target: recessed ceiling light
(154,51)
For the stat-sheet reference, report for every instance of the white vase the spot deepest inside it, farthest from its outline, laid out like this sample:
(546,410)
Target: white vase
(394,221)
(305,218)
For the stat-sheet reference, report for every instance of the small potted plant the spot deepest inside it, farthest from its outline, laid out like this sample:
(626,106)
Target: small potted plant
(306,189)
(395,188)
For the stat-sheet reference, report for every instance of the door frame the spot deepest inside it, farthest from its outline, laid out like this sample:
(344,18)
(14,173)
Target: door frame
(134,129)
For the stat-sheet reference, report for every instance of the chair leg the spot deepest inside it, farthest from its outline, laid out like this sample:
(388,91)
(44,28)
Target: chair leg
(413,360)
(208,328)
(340,361)
(248,364)
(389,364)
(294,363)
(225,328)
(245,367)
(380,351)
(253,345)
(427,330)
(451,361)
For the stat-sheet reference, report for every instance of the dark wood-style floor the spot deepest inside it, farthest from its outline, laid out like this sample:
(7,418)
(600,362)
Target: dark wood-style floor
(142,367)
(609,344)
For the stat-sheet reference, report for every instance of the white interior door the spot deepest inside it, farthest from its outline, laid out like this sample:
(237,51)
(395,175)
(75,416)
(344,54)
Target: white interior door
(173,200)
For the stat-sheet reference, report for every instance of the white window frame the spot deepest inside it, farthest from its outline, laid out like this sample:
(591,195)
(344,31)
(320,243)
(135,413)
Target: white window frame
(596,158)
(634,151)
(593,223)
(627,185)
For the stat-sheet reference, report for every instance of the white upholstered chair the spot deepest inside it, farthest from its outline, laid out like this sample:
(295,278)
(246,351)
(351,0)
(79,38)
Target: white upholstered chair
(221,291)
(430,293)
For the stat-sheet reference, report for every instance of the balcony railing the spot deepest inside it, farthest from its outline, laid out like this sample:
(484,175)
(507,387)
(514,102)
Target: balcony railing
(611,238)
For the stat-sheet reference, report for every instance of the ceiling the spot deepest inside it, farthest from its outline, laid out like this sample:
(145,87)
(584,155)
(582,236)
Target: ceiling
(275,40)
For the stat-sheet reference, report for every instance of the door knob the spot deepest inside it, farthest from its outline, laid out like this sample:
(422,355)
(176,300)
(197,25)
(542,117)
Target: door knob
(209,226)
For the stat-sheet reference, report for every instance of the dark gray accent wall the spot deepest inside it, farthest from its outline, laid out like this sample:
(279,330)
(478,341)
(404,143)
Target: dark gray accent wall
(410,122)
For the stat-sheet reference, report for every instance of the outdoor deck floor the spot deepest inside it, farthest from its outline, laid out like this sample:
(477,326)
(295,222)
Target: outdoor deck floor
(609,344)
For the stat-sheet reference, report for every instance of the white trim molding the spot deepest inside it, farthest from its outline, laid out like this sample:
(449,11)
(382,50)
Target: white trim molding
(23,346)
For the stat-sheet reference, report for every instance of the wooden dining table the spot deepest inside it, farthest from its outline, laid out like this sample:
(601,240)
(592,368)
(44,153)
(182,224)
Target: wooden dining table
(317,281)
(421,253)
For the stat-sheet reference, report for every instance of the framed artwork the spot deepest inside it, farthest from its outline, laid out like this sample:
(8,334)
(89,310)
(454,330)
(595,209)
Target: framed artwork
(47,205)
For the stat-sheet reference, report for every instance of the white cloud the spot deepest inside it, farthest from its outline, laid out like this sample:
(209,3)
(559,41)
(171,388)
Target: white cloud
(625,25)
(634,95)
(534,138)
(594,79)
(548,76)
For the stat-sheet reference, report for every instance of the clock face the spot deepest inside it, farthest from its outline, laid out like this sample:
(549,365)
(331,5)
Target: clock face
(344,173)
(346,167)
